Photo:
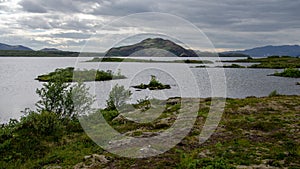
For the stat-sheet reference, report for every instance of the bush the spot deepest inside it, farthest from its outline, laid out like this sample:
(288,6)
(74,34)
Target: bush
(273,93)
(187,162)
(44,125)
(63,99)
(110,115)
(117,97)
(26,139)
(219,163)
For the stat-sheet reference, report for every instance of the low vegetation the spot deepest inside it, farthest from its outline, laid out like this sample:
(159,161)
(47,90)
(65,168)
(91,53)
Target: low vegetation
(253,133)
(289,72)
(272,62)
(154,84)
(117,59)
(274,93)
(69,75)
(233,66)
(21,53)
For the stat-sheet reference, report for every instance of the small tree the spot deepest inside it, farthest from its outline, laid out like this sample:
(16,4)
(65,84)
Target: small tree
(63,99)
(77,101)
(117,97)
(52,96)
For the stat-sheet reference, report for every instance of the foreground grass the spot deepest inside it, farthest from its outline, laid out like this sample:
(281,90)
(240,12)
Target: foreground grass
(257,132)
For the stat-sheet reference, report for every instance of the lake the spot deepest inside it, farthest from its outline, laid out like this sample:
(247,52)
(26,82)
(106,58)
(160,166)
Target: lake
(17,86)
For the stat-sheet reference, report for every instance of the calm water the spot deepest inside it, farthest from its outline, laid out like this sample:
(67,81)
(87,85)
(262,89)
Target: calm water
(17,86)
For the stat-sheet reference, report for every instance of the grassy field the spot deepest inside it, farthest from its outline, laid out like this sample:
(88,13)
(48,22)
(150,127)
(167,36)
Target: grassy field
(253,132)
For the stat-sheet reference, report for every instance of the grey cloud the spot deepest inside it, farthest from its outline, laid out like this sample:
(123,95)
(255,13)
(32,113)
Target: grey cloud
(35,22)
(73,35)
(32,6)
(59,21)
(230,23)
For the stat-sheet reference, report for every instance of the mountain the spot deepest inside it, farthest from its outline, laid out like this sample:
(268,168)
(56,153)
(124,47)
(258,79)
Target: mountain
(50,50)
(152,47)
(10,47)
(283,50)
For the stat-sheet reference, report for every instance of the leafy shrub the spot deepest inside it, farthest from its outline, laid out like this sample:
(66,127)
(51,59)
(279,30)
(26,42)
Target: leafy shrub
(63,99)
(273,93)
(187,162)
(45,124)
(117,97)
(218,163)
(26,139)
(110,114)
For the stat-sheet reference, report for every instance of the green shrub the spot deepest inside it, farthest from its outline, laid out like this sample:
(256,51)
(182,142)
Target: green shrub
(187,162)
(46,124)
(117,97)
(273,93)
(65,100)
(109,115)
(218,163)
(289,72)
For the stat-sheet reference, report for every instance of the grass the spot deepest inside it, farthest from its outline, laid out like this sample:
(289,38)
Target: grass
(69,75)
(252,132)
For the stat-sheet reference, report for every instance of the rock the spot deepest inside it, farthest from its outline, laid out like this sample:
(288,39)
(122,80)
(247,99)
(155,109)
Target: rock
(100,158)
(120,119)
(173,100)
(91,162)
(149,151)
(87,157)
(202,155)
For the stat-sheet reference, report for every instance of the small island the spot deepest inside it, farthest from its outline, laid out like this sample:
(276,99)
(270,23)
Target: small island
(70,75)
(154,84)
(289,72)
(232,66)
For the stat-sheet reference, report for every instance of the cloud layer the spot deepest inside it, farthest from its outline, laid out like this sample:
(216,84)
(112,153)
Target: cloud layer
(68,24)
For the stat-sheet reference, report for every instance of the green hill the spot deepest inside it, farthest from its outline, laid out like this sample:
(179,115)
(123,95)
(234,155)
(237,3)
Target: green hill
(152,47)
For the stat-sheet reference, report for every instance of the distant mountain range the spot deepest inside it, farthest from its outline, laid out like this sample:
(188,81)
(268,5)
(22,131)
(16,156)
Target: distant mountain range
(16,47)
(283,50)
(152,47)
(163,47)
(24,48)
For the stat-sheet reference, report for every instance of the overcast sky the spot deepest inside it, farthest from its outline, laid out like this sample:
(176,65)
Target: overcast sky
(69,24)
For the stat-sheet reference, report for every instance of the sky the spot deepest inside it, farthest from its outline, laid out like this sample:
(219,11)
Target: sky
(72,24)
